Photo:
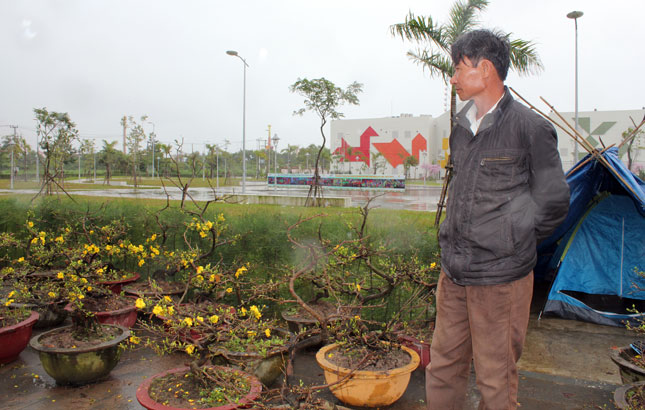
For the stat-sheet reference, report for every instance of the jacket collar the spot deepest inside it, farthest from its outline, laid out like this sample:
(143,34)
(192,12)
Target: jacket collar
(490,118)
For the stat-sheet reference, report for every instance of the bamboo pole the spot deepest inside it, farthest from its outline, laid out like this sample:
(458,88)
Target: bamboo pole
(582,140)
(586,161)
(547,118)
(600,158)
(585,145)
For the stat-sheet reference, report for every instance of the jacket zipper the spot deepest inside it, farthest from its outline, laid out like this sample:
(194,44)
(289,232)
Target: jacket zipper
(499,159)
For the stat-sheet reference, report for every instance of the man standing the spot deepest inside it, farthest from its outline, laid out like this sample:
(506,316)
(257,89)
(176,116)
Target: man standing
(508,192)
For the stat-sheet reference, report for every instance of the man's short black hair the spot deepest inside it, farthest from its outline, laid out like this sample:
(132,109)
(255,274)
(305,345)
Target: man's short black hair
(478,44)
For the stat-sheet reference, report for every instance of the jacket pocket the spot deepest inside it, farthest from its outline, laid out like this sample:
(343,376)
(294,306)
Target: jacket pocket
(501,170)
(492,240)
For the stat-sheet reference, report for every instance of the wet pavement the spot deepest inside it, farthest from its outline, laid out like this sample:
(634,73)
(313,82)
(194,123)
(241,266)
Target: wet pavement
(414,197)
(565,365)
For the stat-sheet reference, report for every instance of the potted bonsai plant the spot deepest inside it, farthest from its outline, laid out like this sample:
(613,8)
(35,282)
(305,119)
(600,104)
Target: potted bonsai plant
(358,274)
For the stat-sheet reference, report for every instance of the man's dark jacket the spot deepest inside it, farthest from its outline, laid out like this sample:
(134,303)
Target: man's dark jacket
(508,192)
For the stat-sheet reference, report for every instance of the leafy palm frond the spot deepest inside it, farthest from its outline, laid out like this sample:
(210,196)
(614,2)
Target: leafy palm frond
(421,29)
(437,64)
(524,57)
(463,17)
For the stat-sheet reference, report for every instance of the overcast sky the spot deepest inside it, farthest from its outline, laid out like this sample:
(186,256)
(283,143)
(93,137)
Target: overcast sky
(99,60)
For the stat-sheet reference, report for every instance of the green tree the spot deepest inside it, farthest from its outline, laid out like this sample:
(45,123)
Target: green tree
(323,98)
(108,157)
(134,140)
(408,163)
(56,132)
(291,151)
(378,161)
(86,153)
(630,138)
(438,38)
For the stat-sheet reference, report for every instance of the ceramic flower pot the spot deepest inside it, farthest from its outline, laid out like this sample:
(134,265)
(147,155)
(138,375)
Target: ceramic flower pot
(49,314)
(266,367)
(116,286)
(143,396)
(367,388)
(79,365)
(422,348)
(125,316)
(629,372)
(621,394)
(14,339)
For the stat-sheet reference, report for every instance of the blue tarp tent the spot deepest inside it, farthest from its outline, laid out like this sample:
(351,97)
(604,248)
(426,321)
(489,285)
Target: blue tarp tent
(594,256)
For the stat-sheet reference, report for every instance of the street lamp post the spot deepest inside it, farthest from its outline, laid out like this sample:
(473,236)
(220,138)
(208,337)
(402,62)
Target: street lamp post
(235,54)
(575,15)
(276,139)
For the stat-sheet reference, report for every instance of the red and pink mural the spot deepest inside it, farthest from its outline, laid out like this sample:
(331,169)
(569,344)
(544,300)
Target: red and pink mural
(393,151)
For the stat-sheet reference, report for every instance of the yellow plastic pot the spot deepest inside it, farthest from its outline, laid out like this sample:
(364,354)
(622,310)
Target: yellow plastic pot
(367,388)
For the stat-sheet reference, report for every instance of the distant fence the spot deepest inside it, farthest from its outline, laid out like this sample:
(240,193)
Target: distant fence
(338,182)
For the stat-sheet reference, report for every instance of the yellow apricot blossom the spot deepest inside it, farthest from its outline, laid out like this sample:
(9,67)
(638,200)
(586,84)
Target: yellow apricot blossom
(214,319)
(157,310)
(256,312)
(140,304)
(240,271)
(190,349)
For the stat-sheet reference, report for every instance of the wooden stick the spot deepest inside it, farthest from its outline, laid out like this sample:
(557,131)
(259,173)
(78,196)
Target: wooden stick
(546,117)
(586,161)
(591,151)
(581,140)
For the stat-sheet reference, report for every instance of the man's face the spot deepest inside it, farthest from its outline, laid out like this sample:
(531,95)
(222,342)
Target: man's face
(468,79)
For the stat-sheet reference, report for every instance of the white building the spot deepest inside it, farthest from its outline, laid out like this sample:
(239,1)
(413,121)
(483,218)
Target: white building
(381,145)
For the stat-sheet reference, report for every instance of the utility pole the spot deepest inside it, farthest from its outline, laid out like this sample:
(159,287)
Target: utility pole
(13,148)
(125,128)
(268,150)
(37,160)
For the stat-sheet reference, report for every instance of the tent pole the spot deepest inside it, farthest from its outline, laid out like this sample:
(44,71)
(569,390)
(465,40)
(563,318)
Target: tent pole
(546,117)
(596,154)
(586,161)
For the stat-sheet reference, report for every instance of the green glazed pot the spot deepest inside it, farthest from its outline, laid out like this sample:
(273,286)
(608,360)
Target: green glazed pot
(79,365)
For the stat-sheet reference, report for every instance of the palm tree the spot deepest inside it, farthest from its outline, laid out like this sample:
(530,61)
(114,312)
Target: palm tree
(436,56)
(108,156)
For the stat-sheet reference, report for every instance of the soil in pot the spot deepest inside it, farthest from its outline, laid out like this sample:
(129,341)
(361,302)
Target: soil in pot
(112,309)
(298,318)
(264,356)
(214,388)
(160,288)
(116,285)
(349,358)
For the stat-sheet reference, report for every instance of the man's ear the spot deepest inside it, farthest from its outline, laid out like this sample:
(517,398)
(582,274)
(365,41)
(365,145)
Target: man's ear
(488,69)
